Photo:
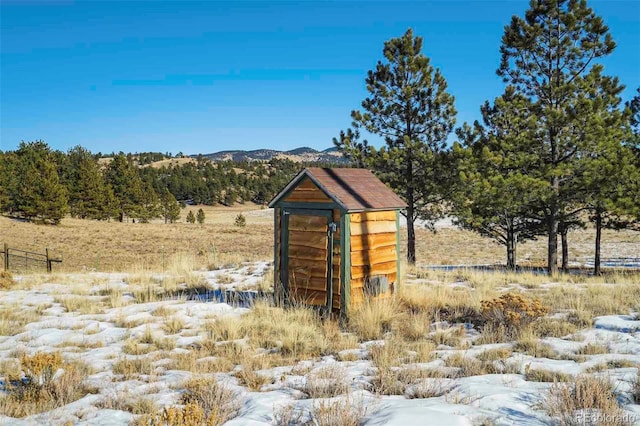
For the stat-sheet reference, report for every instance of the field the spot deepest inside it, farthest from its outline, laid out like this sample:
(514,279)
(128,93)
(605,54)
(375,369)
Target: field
(123,333)
(118,247)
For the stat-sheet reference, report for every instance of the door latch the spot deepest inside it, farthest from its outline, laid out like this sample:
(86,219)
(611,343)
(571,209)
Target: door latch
(333,227)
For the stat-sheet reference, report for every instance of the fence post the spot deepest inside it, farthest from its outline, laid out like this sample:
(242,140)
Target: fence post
(6,256)
(46,250)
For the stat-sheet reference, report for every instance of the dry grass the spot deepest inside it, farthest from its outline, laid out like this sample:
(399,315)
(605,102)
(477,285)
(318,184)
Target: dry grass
(131,368)
(494,354)
(346,411)
(535,348)
(374,318)
(113,246)
(6,280)
(14,317)
(542,375)
(200,361)
(43,390)
(173,325)
(217,402)
(588,393)
(466,365)
(326,382)
(593,349)
(83,305)
(547,327)
(126,401)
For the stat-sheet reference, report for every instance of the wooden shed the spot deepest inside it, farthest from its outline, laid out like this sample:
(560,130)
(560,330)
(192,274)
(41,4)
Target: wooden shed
(336,238)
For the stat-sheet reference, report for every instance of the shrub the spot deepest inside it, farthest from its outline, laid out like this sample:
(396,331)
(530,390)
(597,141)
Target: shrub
(39,391)
(240,221)
(326,382)
(200,216)
(338,412)
(190,414)
(512,312)
(191,218)
(587,395)
(40,368)
(6,280)
(217,402)
(288,415)
(252,379)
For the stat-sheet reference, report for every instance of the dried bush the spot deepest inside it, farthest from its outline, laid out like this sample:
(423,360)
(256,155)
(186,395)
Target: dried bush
(575,403)
(6,280)
(252,379)
(339,412)
(218,403)
(511,311)
(288,415)
(39,391)
(326,382)
(189,415)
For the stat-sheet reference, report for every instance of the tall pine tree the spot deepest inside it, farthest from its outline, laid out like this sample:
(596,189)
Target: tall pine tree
(410,108)
(495,194)
(549,56)
(126,184)
(38,194)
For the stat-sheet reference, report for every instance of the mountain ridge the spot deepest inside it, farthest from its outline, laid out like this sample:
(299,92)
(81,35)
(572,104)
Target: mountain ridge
(301,154)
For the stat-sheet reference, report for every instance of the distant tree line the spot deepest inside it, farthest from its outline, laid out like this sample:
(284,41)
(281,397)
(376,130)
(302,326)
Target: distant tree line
(556,149)
(43,185)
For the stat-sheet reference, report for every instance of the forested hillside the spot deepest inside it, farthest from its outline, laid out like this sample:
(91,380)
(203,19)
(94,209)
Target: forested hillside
(40,184)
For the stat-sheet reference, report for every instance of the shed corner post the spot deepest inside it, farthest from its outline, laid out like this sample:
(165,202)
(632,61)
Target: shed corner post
(277,284)
(398,269)
(345,264)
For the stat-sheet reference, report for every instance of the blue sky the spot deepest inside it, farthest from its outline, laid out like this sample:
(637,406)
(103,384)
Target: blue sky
(206,76)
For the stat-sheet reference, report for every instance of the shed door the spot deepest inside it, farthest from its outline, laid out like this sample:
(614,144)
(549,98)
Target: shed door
(307,239)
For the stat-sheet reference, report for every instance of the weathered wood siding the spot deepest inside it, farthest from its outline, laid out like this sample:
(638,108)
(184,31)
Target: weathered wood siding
(307,192)
(308,272)
(373,250)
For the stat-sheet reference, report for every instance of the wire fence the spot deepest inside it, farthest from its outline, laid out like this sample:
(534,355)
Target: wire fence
(23,261)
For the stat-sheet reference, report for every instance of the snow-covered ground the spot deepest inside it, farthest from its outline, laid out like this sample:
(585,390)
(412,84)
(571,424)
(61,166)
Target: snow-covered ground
(98,340)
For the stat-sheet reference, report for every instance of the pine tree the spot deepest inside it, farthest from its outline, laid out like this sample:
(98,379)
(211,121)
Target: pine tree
(8,163)
(240,221)
(148,206)
(191,218)
(38,192)
(170,207)
(410,108)
(124,180)
(549,57)
(87,188)
(200,216)
(494,194)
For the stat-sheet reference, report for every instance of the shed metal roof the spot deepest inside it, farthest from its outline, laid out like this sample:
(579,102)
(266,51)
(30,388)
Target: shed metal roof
(351,189)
